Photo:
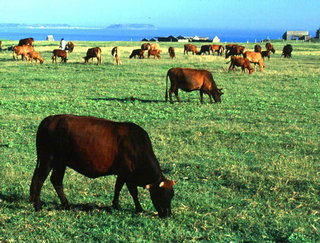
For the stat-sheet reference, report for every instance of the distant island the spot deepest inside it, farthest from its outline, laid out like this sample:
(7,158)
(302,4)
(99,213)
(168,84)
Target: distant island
(132,27)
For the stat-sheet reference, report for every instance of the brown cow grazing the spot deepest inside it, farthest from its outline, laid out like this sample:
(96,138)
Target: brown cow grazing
(154,53)
(26,41)
(35,56)
(240,62)
(206,49)
(92,53)
(70,46)
(116,56)
(22,50)
(59,53)
(172,53)
(190,47)
(137,52)
(97,147)
(150,46)
(188,80)
(217,48)
(269,47)
(234,50)
(257,48)
(255,57)
(286,51)
(266,54)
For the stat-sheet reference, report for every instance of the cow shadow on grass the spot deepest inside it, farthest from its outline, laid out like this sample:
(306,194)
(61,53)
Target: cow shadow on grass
(128,99)
(133,99)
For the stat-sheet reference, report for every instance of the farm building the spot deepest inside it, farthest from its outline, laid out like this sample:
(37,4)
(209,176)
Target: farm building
(318,34)
(49,38)
(296,35)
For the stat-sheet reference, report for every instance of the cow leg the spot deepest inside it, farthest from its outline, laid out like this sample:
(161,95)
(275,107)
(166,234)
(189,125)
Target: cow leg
(176,93)
(56,180)
(119,184)
(134,193)
(201,96)
(39,176)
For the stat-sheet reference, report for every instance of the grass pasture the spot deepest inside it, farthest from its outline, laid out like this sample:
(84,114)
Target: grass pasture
(247,169)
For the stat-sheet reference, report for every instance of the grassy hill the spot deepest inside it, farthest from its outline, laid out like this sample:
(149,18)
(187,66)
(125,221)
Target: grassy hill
(247,169)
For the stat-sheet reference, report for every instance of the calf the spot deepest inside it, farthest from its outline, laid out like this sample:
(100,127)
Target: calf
(240,62)
(137,52)
(234,50)
(188,80)
(35,56)
(70,46)
(154,53)
(93,53)
(97,147)
(205,49)
(286,51)
(217,48)
(266,54)
(59,53)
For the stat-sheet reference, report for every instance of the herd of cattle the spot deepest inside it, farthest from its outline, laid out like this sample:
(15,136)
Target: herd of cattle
(97,147)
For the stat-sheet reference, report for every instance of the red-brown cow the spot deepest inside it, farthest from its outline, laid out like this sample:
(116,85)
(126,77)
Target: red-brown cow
(240,62)
(172,53)
(59,53)
(217,48)
(137,52)
(269,47)
(26,41)
(234,50)
(188,80)
(22,50)
(94,52)
(150,46)
(97,147)
(255,57)
(70,46)
(155,53)
(35,56)
(190,47)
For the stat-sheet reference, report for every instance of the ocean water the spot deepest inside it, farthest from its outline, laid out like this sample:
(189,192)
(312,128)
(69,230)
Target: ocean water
(225,35)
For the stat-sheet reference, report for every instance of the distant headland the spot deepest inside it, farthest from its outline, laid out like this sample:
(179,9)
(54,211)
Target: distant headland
(132,27)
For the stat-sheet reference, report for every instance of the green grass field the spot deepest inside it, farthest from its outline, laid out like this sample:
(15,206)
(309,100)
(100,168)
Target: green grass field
(247,169)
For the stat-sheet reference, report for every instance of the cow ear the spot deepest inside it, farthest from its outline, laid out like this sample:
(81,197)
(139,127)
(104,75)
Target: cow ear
(148,186)
(167,183)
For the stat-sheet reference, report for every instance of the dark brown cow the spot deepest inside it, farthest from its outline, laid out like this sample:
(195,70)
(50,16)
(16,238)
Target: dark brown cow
(137,52)
(188,80)
(35,56)
(155,53)
(266,54)
(256,58)
(190,47)
(269,47)
(172,53)
(234,50)
(94,52)
(26,41)
(70,46)
(286,51)
(206,49)
(59,53)
(217,48)
(257,48)
(97,147)
(22,50)
(240,62)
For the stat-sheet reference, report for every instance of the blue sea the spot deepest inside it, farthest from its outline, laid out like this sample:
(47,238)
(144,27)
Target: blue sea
(225,35)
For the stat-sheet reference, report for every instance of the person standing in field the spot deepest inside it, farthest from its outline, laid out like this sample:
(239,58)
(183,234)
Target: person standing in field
(62,44)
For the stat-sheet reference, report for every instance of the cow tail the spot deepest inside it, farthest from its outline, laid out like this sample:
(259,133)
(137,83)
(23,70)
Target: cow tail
(166,95)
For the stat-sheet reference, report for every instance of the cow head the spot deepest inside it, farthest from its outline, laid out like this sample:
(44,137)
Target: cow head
(216,93)
(161,196)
